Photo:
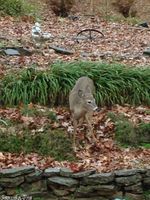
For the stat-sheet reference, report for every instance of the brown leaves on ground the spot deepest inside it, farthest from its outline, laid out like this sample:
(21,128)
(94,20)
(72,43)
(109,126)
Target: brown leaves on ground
(103,154)
(122,43)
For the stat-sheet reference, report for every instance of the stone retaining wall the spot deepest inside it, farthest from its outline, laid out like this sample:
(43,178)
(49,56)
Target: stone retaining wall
(63,184)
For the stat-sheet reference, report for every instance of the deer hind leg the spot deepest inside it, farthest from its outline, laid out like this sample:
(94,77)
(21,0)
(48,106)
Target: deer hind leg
(81,121)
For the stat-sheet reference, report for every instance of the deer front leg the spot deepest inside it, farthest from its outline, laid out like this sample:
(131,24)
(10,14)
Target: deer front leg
(75,123)
(88,118)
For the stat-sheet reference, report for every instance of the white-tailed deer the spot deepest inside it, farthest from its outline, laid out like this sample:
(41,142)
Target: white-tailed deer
(82,104)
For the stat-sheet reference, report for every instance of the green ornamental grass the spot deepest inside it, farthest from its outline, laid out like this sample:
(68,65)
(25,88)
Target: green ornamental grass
(115,84)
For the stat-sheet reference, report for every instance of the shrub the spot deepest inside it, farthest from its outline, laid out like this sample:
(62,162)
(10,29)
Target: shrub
(53,143)
(124,129)
(124,6)
(61,7)
(143,132)
(127,133)
(16,7)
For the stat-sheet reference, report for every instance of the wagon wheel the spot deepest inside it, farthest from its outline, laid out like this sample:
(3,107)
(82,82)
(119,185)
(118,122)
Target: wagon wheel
(89,34)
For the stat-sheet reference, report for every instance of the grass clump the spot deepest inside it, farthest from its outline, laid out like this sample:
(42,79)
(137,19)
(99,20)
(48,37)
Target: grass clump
(147,194)
(115,84)
(16,7)
(126,133)
(51,143)
(31,111)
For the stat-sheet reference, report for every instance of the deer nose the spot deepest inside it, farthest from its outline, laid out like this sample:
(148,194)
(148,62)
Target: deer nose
(96,109)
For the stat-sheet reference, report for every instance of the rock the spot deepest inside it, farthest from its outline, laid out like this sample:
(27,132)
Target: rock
(72,17)
(147,51)
(62,181)
(34,176)
(146,183)
(84,173)
(136,189)
(144,24)
(126,172)
(38,186)
(66,172)
(10,191)
(2,193)
(118,195)
(96,190)
(129,180)
(15,51)
(85,55)
(60,192)
(11,52)
(11,182)
(18,171)
(42,196)
(51,172)
(92,198)
(134,196)
(148,173)
(101,178)
(62,50)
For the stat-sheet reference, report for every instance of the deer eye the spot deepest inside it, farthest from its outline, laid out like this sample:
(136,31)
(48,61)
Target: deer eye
(89,101)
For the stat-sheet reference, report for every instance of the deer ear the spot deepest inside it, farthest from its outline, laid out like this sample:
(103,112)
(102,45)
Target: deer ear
(80,93)
(88,89)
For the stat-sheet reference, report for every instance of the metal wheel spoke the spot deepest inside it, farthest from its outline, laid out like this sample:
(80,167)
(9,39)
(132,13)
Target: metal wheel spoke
(90,34)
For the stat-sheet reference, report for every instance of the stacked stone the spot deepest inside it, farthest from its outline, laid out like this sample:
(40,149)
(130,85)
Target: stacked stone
(63,184)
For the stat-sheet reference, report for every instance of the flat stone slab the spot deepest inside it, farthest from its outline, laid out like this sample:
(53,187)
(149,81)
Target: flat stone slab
(35,176)
(93,198)
(126,172)
(62,181)
(51,172)
(147,51)
(15,51)
(16,171)
(136,189)
(146,182)
(11,182)
(83,174)
(62,50)
(129,180)
(101,178)
(134,196)
(66,172)
(98,190)
(148,172)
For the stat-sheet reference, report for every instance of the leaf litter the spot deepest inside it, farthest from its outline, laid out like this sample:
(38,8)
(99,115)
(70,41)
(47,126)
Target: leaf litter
(104,154)
(122,43)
